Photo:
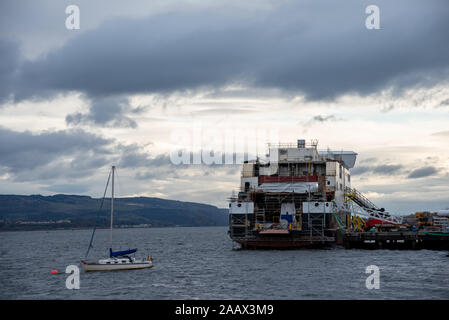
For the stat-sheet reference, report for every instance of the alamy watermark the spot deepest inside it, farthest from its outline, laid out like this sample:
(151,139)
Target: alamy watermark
(373,20)
(73,280)
(213,146)
(373,280)
(72,22)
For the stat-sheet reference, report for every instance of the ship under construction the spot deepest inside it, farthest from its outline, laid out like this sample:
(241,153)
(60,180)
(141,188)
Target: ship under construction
(301,197)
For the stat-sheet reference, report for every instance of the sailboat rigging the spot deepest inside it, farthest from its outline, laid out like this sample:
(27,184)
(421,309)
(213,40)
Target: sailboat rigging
(118,260)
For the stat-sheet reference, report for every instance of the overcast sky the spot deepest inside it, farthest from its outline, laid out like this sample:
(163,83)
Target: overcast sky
(136,82)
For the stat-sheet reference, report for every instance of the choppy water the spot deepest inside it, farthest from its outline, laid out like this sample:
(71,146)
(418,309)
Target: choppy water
(199,263)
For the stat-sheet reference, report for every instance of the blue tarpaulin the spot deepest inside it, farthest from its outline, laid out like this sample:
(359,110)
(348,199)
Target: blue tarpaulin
(120,253)
(287,217)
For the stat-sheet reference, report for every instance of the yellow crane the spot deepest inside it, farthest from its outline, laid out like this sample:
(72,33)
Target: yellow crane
(358,224)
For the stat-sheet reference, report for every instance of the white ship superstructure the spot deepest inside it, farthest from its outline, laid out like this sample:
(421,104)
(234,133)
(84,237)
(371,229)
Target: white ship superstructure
(300,196)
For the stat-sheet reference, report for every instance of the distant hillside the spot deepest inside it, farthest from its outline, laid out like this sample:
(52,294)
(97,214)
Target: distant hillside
(71,211)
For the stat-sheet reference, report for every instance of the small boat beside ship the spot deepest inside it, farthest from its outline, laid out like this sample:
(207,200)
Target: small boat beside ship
(118,260)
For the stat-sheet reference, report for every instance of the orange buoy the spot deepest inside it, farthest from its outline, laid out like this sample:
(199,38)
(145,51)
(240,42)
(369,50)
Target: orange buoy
(54,271)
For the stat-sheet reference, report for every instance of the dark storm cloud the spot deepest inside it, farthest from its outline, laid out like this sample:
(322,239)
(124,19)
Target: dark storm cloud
(423,172)
(296,47)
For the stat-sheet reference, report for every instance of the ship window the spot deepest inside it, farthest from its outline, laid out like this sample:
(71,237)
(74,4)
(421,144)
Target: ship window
(239,205)
(328,182)
(316,204)
(349,178)
(229,205)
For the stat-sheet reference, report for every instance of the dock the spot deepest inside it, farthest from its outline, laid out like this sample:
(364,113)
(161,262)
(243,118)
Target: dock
(397,240)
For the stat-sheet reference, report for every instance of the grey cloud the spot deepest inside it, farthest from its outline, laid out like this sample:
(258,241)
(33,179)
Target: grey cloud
(70,154)
(377,169)
(148,175)
(287,47)
(320,118)
(360,170)
(110,111)
(387,169)
(423,172)
(387,109)
(161,166)
(9,59)
(421,195)
(368,160)
(25,150)
(134,157)
(68,188)
(76,161)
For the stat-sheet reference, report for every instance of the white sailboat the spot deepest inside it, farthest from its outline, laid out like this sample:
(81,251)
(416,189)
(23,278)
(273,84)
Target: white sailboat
(118,260)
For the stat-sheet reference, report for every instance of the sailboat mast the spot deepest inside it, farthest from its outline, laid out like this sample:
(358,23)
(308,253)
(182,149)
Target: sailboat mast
(112,207)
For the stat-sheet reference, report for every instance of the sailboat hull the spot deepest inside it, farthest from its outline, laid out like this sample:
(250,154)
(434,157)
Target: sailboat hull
(87,267)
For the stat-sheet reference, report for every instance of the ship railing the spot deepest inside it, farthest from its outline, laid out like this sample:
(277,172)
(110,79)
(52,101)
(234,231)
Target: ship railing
(280,145)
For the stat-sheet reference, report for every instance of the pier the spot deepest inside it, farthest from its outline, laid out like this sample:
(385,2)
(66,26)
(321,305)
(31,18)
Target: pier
(397,240)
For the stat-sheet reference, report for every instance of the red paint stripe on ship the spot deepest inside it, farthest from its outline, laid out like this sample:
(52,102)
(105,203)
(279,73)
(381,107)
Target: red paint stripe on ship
(273,179)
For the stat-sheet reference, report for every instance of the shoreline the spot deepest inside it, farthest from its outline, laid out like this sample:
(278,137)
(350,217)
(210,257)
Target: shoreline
(106,228)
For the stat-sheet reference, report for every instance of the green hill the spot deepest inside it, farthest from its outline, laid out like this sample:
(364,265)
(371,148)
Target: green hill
(33,212)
